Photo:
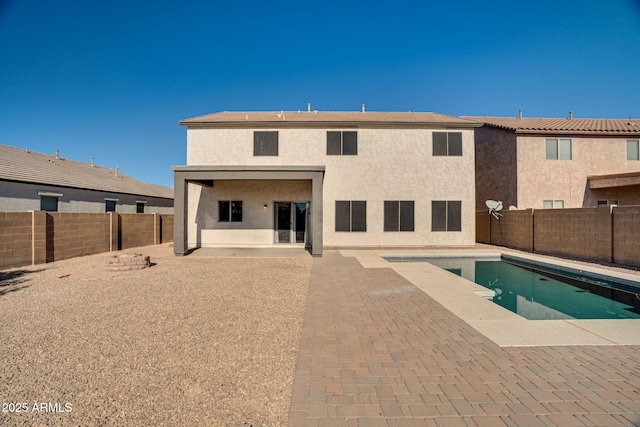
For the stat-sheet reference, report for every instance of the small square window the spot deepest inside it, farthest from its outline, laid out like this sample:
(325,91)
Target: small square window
(447,144)
(342,143)
(558,149)
(140,207)
(265,143)
(110,206)
(229,211)
(351,215)
(398,215)
(49,203)
(446,215)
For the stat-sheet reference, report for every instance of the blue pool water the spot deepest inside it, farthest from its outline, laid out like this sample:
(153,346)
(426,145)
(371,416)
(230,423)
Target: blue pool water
(544,292)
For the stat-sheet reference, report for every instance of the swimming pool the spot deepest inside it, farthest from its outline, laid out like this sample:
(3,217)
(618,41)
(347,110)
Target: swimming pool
(539,291)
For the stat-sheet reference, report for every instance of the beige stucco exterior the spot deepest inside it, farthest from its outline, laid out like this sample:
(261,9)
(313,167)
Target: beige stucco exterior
(519,173)
(392,163)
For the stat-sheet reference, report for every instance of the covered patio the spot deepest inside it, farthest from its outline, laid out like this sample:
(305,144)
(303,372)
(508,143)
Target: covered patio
(207,176)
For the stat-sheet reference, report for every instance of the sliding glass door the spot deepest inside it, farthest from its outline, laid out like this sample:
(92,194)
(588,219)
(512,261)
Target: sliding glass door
(291,222)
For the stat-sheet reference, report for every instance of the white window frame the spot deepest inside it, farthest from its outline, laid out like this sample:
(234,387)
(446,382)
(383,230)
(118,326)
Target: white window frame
(553,204)
(556,149)
(633,144)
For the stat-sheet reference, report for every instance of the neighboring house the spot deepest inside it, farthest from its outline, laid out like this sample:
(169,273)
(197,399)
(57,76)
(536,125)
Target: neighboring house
(557,163)
(326,179)
(35,181)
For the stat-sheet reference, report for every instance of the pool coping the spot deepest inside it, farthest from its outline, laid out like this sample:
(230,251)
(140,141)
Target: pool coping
(500,325)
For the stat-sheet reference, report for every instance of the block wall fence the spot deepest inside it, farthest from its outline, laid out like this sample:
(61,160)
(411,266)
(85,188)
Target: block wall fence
(36,237)
(607,234)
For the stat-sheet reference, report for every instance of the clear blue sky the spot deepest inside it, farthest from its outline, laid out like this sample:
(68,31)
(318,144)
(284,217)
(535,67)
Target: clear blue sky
(111,79)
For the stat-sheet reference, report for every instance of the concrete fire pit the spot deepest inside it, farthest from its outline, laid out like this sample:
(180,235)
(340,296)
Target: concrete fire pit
(123,262)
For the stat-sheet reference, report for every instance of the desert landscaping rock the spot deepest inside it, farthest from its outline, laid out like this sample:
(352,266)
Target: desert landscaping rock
(196,341)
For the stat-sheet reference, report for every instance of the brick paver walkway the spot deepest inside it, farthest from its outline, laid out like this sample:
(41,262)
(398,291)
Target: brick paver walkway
(376,351)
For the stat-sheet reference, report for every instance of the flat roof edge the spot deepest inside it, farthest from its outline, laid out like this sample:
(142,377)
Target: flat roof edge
(248,168)
(333,123)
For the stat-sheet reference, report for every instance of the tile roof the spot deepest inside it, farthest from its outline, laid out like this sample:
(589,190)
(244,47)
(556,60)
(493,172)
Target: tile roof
(18,164)
(253,118)
(563,125)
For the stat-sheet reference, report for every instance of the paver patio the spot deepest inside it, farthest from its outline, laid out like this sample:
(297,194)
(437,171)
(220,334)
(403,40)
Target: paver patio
(377,351)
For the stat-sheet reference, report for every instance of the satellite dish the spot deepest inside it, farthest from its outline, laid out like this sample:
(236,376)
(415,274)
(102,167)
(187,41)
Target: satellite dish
(493,205)
(513,208)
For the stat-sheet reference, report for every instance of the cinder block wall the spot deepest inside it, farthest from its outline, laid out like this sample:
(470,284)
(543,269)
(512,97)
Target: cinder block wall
(514,230)
(572,233)
(166,228)
(137,230)
(483,227)
(603,234)
(38,237)
(15,239)
(626,235)
(77,234)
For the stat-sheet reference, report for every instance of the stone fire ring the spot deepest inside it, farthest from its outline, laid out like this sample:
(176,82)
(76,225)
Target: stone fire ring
(123,262)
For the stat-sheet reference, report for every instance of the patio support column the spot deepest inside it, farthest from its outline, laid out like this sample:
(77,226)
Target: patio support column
(181,213)
(316,214)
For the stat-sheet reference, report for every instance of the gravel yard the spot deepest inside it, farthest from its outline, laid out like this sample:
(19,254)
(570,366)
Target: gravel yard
(189,341)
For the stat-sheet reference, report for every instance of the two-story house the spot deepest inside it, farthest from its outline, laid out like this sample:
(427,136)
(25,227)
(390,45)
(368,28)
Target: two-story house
(557,162)
(326,179)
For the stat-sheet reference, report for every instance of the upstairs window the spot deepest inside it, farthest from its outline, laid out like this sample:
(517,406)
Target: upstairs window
(110,205)
(632,150)
(351,215)
(398,215)
(140,207)
(342,143)
(558,149)
(265,143)
(446,215)
(612,202)
(229,211)
(49,203)
(447,143)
